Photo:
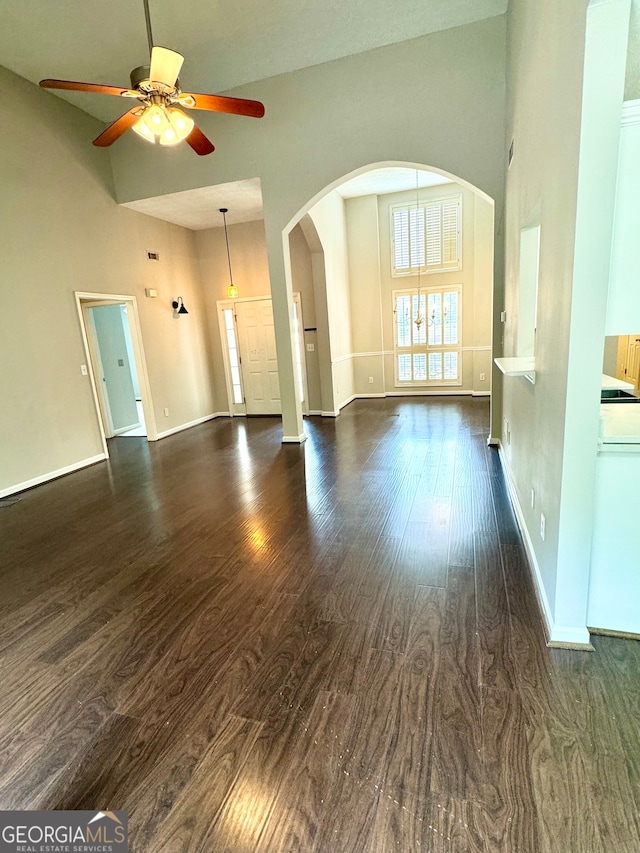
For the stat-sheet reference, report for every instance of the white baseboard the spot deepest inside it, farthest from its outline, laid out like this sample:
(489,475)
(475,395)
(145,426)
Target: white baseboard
(125,429)
(431,392)
(52,475)
(294,439)
(198,421)
(346,402)
(439,391)
(562,636)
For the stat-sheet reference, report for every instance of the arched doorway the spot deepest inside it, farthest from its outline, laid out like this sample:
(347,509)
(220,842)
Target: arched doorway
(387,319)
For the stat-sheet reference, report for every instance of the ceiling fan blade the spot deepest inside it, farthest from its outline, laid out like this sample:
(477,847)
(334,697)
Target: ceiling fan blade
(97,88)
(165,66)
(119,126)
(222,104)
(199,142)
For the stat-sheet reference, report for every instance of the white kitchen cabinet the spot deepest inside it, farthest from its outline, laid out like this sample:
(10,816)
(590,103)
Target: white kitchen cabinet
(614,585)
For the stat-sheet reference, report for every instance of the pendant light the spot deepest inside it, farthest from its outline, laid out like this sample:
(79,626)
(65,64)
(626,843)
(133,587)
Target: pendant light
(232,290)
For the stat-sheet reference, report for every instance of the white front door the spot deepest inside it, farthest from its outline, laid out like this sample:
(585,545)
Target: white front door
(257,340)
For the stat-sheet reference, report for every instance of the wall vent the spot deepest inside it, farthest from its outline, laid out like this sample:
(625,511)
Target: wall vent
(153,256)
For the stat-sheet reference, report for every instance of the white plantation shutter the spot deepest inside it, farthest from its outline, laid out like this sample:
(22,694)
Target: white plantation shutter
(434,235)
(450,228)
(401,239)
(426,237)
(416,236)
(428,352)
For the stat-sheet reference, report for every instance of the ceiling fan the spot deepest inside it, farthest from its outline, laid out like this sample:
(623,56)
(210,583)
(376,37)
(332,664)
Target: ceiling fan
(158,117)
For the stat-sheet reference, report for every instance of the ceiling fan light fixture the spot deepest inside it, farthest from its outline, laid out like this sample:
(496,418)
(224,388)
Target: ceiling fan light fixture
(143,130)
(169,126)
(156,86)
(152,123)
(178,128)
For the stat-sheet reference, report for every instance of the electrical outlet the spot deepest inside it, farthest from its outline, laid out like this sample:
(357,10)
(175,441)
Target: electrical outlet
(532,498)
(83,369)
(311,347)
(482,377)
(543,525)
(166,412)
(371,380)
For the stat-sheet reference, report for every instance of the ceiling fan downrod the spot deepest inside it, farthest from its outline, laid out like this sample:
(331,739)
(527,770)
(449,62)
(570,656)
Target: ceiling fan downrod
(147,18)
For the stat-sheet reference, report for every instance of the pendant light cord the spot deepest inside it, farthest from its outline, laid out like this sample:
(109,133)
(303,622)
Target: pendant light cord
(223,211)
(425,247)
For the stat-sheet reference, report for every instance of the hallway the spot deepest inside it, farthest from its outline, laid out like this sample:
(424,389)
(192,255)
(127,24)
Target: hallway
(328,648)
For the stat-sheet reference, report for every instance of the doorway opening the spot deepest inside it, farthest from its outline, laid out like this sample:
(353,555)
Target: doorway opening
(250,359)
(113,344)
(396,260)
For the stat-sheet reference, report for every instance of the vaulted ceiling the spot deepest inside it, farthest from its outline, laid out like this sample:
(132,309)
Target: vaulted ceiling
(226,43)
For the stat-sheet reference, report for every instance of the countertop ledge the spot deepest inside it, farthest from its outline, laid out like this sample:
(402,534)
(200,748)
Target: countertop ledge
(620,426)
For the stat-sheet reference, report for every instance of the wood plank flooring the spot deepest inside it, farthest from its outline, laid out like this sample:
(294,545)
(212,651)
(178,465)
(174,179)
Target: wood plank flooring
(334,648)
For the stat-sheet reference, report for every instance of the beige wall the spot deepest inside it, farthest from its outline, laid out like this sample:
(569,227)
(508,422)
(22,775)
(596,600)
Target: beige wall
(475,276)
(365,294)
(372,286)
(250,268)
(564,125)
(328,216)
(62,232)
(355,237)
(303,283)
(544,120)
(400,103)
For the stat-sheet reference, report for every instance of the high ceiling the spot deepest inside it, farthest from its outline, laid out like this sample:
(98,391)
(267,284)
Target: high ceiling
(199,209)
(226,43)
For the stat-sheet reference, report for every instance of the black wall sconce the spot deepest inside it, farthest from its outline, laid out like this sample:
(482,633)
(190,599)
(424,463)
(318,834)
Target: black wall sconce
(178,307)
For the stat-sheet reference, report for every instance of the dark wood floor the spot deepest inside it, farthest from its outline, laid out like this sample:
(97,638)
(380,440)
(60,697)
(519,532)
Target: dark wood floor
(333,648)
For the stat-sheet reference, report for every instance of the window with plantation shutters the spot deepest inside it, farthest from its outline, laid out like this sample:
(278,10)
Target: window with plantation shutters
(427,336)
(425,237)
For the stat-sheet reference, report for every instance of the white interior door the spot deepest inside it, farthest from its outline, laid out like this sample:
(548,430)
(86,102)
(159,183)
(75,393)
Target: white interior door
(257,341)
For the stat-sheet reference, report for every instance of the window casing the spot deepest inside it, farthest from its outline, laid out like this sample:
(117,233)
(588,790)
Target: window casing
(426,236)
(427,336)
